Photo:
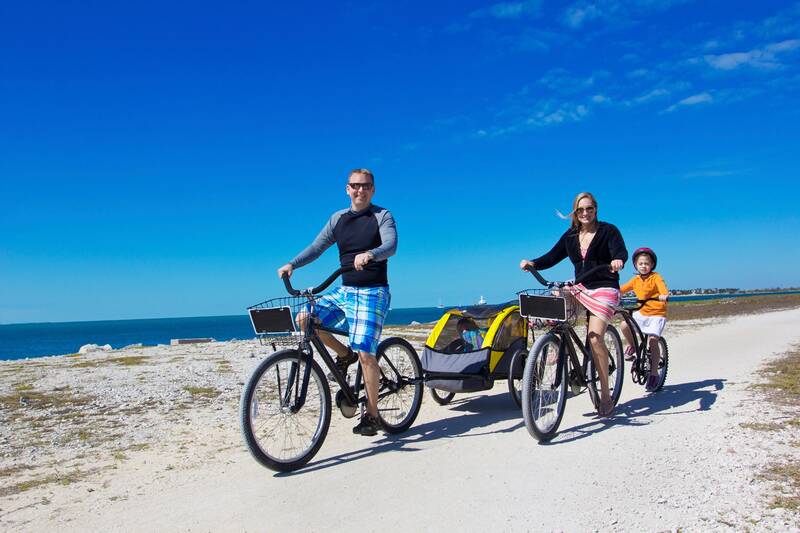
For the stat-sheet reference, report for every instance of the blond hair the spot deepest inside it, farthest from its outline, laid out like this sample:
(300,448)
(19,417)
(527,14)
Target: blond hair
(575,223)
(364,171)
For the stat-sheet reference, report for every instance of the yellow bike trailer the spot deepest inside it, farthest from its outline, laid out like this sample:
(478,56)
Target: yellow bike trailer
(471,347)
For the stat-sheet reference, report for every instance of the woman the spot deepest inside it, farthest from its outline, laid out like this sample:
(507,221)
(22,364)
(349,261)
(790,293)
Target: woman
(588,243)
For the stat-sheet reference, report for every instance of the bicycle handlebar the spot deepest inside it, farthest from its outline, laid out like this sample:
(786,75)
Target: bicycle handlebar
(578,279)
(640,303)
(316,290)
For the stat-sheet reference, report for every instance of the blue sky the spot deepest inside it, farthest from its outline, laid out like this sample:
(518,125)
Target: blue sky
(164,158)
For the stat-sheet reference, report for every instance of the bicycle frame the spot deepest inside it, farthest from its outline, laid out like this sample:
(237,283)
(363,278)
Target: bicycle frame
(569,356)
(352,395)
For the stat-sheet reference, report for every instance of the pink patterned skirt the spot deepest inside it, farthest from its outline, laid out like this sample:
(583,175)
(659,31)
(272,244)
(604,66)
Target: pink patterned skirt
(599,302)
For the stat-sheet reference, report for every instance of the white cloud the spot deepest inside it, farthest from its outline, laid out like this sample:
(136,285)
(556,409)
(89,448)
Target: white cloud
(510,10)
(651,95)
(576,15)
(765,57)
(550,113)
(560,80)
(714,173)
(617,11)
(695,99)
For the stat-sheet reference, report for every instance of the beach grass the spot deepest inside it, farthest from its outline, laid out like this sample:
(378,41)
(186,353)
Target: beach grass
(202,392)
(128,360)
(781,388)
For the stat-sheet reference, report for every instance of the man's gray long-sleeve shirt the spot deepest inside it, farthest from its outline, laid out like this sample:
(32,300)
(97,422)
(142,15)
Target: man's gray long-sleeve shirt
(371,230)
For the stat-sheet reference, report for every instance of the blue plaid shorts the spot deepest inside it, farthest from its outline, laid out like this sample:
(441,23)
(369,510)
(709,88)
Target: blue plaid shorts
(358,310)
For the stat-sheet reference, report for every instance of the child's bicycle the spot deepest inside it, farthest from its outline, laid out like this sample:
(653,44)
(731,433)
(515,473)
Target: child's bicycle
(553,361)
(640,366)
(285,408)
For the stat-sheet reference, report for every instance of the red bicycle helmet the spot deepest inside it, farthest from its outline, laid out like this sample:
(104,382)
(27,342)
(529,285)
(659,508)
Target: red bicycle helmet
(648,251)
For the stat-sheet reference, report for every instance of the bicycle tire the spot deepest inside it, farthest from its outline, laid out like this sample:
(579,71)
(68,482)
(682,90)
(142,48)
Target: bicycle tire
(401,377)
(261,395)
(543,401)
(663,362)
(516,368)
(616,366)
(441,397)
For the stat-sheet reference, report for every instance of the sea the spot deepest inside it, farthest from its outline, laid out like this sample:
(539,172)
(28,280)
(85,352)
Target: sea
(20,341)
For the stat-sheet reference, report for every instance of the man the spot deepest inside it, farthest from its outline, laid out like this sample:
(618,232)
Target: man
(366,237)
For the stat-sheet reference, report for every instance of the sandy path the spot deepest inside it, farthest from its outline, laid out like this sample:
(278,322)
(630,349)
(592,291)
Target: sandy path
(674,460)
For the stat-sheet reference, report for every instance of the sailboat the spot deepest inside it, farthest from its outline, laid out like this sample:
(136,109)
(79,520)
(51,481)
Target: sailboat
(441,305)
(482,301)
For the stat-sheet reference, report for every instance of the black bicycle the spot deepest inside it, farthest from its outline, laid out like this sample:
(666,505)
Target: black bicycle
(285,407)
(640,366)
(553,361)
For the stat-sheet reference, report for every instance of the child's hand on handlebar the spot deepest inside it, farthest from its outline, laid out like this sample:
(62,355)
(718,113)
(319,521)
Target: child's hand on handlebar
(286,269)
(616,265)
(525,264)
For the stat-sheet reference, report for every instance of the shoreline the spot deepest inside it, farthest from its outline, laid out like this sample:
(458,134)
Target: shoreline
(238,326)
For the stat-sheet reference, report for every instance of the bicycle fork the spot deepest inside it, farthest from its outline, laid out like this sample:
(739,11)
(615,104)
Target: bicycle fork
(294,396)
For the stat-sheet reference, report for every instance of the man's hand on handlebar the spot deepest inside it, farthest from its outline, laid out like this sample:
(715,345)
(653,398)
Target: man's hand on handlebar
(616,265)
(286,269)
(525,264)
(361,260)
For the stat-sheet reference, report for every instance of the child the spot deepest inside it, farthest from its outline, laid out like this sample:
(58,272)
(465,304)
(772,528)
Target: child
(652,317)
(469,331)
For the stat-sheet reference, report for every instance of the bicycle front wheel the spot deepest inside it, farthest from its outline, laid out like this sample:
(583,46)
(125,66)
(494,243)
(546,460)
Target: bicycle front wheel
(282,433)
(400,391)
(544,388)
(616,366)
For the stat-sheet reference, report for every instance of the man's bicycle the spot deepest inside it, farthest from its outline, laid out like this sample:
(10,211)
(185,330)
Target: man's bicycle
(553,362)
(640,366)
(285,407)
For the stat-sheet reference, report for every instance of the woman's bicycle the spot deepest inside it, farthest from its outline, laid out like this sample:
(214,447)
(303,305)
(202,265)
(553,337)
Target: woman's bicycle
(553,362)
(640,366)
(285,407)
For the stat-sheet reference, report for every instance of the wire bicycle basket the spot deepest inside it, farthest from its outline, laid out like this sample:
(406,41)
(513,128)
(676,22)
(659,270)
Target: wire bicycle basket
(274,322)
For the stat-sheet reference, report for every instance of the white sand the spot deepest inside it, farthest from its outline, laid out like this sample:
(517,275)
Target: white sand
(678,459)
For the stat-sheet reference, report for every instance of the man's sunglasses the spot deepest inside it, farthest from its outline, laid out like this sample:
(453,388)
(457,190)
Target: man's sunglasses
(357,186)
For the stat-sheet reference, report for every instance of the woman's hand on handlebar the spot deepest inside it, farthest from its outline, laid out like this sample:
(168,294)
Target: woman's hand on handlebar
(525,264)
(616,265)
(286,269)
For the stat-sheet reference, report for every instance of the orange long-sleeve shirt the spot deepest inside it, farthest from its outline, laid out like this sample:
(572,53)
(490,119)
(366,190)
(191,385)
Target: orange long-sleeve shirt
(650,286)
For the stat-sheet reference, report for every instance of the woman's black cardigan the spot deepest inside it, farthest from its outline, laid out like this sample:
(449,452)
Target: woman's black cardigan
(606,246)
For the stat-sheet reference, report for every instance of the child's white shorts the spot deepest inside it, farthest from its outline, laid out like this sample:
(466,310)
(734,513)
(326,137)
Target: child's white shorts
(651,325)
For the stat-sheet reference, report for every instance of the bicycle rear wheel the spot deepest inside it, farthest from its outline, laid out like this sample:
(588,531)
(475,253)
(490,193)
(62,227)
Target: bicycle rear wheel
(400,392)
(515,370)
(442,397)
(279,434)
(616,366)
(663,361)
(544,388)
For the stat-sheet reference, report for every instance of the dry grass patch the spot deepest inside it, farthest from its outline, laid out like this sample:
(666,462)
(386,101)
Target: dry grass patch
(782,388)
(58,398)
(128,360)
(223,366)
(203,392)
